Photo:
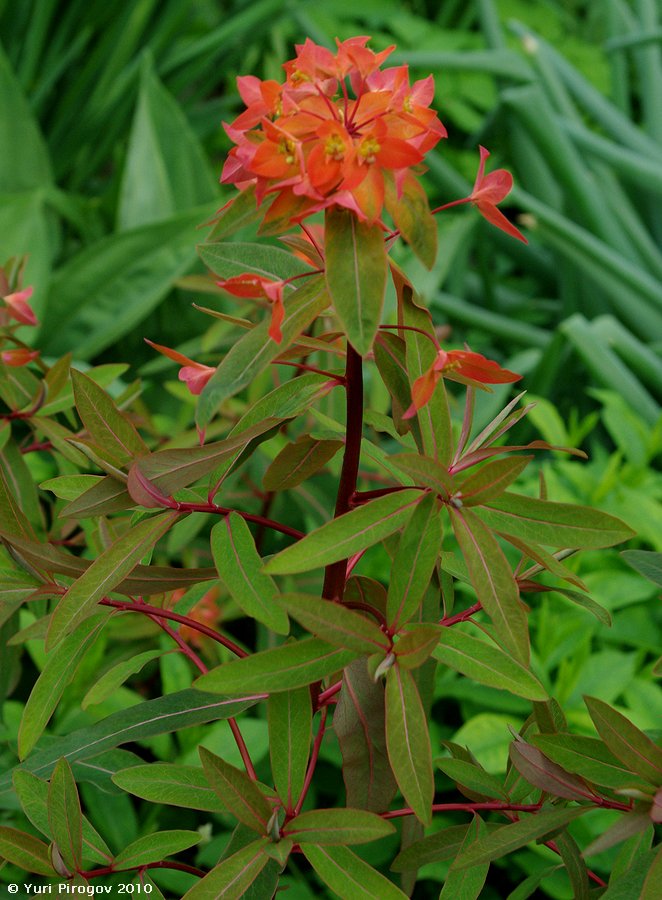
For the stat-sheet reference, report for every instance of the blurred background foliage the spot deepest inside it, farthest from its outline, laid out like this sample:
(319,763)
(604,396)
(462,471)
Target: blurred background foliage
(111,148)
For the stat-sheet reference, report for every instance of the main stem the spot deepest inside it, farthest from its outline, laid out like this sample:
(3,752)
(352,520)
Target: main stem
(335,575)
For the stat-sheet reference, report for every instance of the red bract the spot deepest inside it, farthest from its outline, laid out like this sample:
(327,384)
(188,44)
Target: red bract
(458,365)
(17,307)
(194,374)
(332,133)
(491,189)
(250,285)
(19,357)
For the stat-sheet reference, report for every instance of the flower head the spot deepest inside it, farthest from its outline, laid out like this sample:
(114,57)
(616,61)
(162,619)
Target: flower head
(333,134)
(488,190)
(194,374)
(20,356)
(458,365)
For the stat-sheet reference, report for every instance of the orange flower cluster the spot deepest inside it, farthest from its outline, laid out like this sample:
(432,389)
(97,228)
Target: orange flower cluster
(15,306)
(338,132)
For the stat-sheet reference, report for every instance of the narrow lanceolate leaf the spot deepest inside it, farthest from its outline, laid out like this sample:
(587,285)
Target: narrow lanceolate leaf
(487,664)
(552,564)
(104,575)
(553,524)
(25,851)
(175,785)
(240,796)
(466,883)
(349,876)
(280,669)
(64,815)
(545,774)
(414,562)
(652,886)
(110,681)
(349,533)
(171,470)
(511,837)
(298,461)
(154,847)
(108,427)
(412,216)
(359,724)
(335,623)
(337,826)
(239,566)
(416,645)
(355,274)
(427,472)
(590,758)
(290,719)
(493,580)
(626,741)
(492,479)
(255,350)
(408,742)
(108,495)
(232,878)
(60,667)
(161,716)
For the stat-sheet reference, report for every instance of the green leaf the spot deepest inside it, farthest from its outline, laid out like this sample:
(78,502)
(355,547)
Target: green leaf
(349,876)
(170,783)
(359,724)
(298,461)
(416,645)
(255,350)
(466,883)
(646,562)
(235,258)
(282,668)
(337,826)
(356,263)
(243,210)
(290,720)
(411,214)
(232,878)
(335,623)
(553,524)
(106,685)
(149,718)
(14,521)
(239,566)
(414,562)
(25,162)
(626,741)
(652,886)
(574,864)
(64,815)
(59,669)
(104,575)
(408,742)
(442,845)
(69,487)
(545,774)
(427,472)
(355,530)
(491,479)
(240,796)
(154,847)
(487,664)
(109,428)
(531,827)
(493,580)
(27,852)
(588,757)
(552,564)
(166,170)
(104,291)
(471,776)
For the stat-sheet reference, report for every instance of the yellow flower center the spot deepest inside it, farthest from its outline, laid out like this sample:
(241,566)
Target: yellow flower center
(334,147)
(369,149)
(287,148)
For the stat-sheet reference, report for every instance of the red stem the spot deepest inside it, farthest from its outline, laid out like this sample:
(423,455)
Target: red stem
(495,805)
(146,609)
(163,864)
(336,573)
(225,511)
(461,616)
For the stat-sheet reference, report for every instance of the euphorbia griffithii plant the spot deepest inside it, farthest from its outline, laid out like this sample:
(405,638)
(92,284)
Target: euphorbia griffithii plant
(355,605)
